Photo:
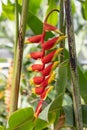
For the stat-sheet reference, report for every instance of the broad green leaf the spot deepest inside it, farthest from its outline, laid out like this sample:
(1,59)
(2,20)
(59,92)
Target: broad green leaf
(36,25)
(44,113)
(53,18)
(60,88)
(73,7)
(8,11)
(82,84)
(84,9)
(69,116)
(62,80)
(84,113)
(34,6)
(21,120)
(56,105)
(1,128)
(40,124)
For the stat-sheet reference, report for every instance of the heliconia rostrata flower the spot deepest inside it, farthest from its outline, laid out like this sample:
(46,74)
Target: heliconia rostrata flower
(47,63)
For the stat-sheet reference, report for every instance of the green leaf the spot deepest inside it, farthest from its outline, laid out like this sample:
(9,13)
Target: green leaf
(84,113)
(36,25)
(21,120)
(8,11)
(84,9)
(82,83)
(73,7)
(44,113)
(34,6)
(1,128)
(69,116)
(60,87)
(53,18)
(40,124)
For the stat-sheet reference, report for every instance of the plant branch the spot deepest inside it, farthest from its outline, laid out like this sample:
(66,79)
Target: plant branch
(18,62)
(73,66)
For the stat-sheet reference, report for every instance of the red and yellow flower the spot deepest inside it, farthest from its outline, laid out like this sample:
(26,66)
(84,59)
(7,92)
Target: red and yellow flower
(48,63)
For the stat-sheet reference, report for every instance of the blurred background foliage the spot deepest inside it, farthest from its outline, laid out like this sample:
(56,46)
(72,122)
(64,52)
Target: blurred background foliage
(36,14)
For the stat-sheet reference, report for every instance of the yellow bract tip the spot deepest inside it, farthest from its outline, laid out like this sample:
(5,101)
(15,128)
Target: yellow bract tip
(59,32)
(61,38)
(33,90)
(31,81)
(29,68)
(48,90)
(27,41)
(28,56)
(52,77)
(57,52)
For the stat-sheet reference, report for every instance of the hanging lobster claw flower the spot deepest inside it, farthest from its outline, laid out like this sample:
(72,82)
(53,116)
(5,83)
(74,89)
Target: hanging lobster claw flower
(45,93)
(50,68)
(48,27)
(51,56)
(33,39)
(39,108)
(35,55)
(36,67)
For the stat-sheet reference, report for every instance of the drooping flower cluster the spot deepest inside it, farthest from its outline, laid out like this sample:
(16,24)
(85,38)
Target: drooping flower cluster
(47,65)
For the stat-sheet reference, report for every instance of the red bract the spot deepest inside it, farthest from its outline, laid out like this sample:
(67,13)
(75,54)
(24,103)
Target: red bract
(49,44)
(38,80)
(34,39)
(35,55)
(36,67)
(49,68)
(38,90)
(39,108)
(48,27)
(48,58)
(45,93)
(51,56)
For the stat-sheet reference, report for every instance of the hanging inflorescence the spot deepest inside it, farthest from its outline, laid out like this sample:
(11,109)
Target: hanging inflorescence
(48,63)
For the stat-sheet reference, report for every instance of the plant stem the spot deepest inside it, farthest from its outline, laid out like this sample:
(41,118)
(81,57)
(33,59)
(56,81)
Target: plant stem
(73,66)
(17,28)
(61,26)
(18,62)
(50,14)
